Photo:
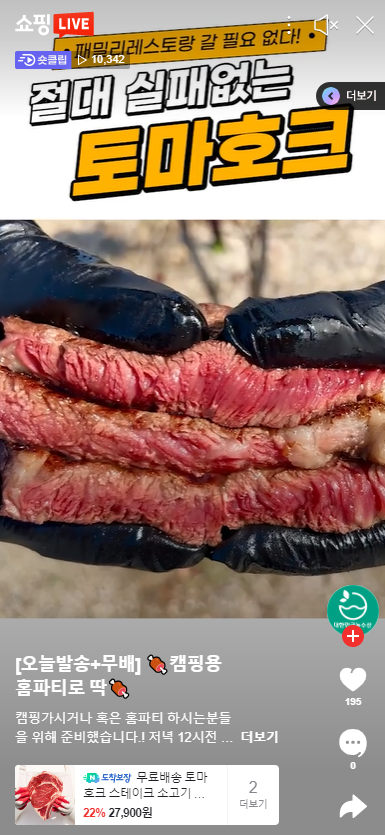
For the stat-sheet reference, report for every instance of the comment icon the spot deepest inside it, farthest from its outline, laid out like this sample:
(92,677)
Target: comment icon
(353,742)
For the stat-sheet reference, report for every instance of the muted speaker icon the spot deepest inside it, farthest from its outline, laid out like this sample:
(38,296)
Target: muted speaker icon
(322,24)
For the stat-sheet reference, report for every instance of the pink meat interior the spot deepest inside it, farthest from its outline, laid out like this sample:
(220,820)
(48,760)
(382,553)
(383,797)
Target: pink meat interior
(191,444)
(43,791)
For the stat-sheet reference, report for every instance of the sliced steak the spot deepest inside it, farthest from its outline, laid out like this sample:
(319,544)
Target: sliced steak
(209,380)
(43,791)
(36,416)
(341,497)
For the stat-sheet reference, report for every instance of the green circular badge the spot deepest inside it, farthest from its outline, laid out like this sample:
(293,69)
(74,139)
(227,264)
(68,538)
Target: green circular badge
(353,606)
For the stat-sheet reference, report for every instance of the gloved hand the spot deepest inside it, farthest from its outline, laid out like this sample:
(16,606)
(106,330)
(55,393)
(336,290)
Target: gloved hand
(64,806)
(128,546)
(21,798)
(83,294)
(340,329)
(278,550)
(46,281)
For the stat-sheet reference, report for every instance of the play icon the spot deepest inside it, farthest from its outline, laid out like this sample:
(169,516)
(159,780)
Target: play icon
(354,806)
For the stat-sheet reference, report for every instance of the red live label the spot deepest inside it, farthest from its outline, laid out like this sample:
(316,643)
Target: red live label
(79,23)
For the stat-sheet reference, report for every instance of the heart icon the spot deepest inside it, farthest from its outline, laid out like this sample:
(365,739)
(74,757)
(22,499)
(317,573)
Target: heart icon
(352,679)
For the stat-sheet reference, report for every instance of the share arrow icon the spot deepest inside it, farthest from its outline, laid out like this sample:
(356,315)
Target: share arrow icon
(355,806)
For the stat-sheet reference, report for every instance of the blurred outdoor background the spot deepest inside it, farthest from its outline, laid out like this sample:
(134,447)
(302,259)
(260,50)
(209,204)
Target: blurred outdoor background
(209,261)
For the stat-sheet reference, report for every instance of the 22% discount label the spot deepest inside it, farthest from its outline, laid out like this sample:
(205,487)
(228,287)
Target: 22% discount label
(115,812)
(94,813)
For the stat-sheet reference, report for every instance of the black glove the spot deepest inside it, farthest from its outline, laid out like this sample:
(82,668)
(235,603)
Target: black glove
(46,281)
(128,546)
(279,550)
(320,329)
(341,329)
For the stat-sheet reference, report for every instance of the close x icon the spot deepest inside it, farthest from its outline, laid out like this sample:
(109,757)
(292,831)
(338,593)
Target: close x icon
(187,155)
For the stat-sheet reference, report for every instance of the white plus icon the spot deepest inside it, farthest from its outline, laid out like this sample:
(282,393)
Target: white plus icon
(353,636)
